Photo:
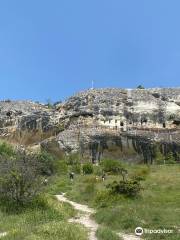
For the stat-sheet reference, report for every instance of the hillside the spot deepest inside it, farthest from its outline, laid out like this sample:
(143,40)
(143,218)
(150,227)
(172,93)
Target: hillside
(114,152)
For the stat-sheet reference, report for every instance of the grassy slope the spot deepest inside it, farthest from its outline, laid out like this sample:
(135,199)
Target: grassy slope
(158,206)
(44,220)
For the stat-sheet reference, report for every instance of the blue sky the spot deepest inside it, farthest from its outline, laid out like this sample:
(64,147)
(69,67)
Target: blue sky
(52,49)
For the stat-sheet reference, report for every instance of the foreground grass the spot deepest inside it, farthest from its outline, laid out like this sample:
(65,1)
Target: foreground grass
(157,207)
(104,233)
(44,219)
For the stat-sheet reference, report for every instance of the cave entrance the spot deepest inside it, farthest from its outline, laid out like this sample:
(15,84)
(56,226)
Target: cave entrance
(176,122)
(164,125)
(121,124)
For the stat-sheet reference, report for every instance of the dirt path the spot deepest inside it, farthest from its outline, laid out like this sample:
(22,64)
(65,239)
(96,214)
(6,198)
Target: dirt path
(84,218)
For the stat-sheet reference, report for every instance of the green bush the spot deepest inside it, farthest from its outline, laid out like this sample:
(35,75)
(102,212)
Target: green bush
(62,167)
(98,170)
(47,163)
(169,159)
(88,168)
(20,180)
(159,157)
(6,149)
(102,198)
(130,188)
(141,173)
(76,168)
(165,159)
(111,166)
(73,161)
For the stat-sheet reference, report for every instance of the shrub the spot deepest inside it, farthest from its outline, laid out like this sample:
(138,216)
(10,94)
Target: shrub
(141,174)
(73,160)
(62,167)
(47,163)
(102,198)
(88,168)
(130,188)
(98,170)
(76,168)
(111,166)
(159,157)
(19,178)
(140,87)
(6,149)
(169,159)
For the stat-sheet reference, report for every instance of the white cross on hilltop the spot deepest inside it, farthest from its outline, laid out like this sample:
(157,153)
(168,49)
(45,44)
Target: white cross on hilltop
(92,84)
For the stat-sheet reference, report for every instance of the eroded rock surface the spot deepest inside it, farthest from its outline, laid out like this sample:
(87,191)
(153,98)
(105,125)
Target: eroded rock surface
(26,122)
(97,121)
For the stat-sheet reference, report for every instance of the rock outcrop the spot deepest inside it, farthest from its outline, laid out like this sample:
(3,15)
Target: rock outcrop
(130,121)
(121,107)
(127,123)
(26,122)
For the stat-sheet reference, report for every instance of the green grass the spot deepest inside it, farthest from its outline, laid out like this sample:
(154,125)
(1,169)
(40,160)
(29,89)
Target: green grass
(104,233)
(43,219)
(157,207)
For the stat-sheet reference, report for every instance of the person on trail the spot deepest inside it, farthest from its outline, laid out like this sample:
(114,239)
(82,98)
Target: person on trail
(71,176)
(45,181)
(103,177)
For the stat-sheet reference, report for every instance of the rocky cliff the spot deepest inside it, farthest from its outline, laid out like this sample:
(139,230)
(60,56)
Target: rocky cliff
(26,122)
(126,123)
(151,107)
(121,122)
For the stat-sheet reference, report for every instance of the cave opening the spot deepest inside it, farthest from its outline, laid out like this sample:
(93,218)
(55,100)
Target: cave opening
(176,122)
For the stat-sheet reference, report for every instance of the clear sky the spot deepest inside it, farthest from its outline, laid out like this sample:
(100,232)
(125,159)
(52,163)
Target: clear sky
(54,48)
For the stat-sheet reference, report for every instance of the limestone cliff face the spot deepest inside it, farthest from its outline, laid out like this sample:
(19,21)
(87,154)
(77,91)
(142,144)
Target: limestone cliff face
(26,122)
(120,122)
(121,107)
(130,121)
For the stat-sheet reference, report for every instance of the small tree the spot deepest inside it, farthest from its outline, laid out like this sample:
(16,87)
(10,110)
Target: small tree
(49,103)
(47,163)
(169,159)
(88,168)
(6,149)
(130,188)
(20,180)
(112,166)
(140,87)
(73,161)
